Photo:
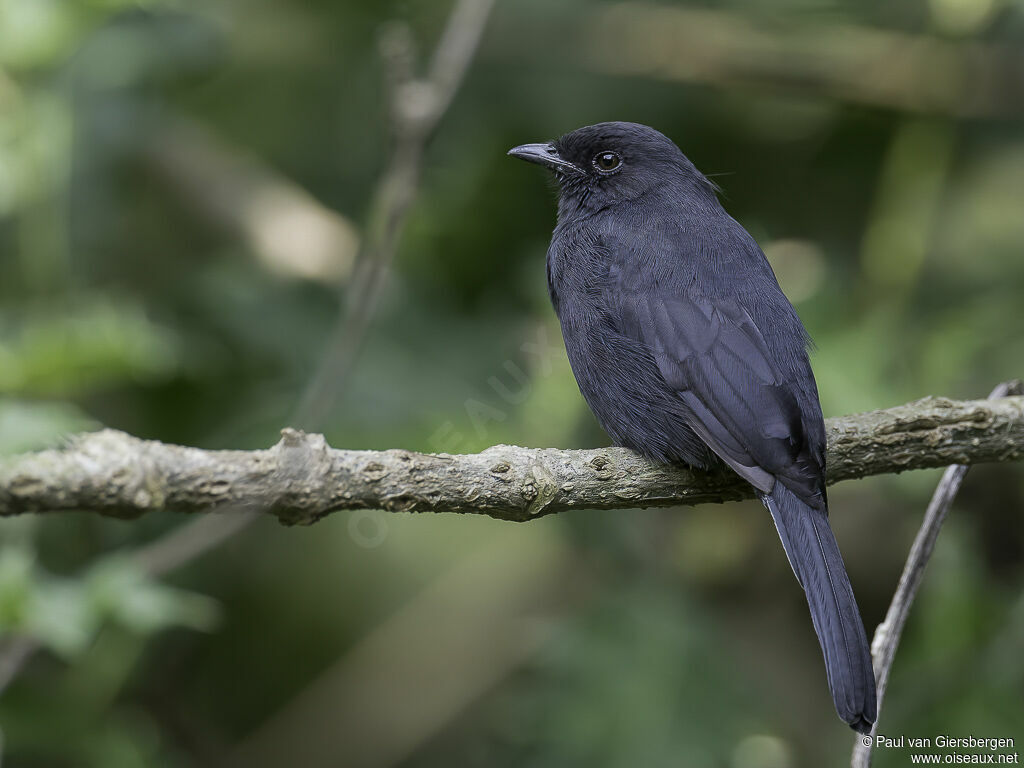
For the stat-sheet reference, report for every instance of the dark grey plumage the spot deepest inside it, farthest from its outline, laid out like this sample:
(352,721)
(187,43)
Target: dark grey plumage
(686,350)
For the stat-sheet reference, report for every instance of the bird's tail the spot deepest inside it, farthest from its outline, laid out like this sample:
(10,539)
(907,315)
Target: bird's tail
(814,556)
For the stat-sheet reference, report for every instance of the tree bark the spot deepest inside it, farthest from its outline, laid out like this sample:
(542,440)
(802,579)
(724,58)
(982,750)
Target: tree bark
(301,479)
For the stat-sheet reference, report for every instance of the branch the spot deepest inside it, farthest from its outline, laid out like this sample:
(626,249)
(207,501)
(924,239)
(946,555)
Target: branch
(301,479)
(888,634)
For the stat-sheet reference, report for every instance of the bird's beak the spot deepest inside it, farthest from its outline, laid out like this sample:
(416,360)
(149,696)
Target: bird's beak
(544,154)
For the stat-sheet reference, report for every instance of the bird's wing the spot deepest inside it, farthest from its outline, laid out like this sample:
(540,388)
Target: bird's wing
(711,352)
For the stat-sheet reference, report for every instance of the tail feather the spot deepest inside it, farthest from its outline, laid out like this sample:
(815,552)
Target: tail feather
(815,559)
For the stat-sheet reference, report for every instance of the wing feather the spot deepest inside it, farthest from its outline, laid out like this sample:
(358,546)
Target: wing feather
(713,355)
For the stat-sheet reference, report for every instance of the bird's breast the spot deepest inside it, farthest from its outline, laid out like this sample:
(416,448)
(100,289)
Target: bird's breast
(577,262)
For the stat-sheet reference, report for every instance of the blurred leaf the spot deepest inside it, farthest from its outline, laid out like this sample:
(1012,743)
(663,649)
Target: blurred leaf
(65,614)
(120,590)
(60,617)
(52,611)
(35,33)
(100,344)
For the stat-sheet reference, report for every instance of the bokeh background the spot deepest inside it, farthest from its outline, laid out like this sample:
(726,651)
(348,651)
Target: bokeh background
(184,185)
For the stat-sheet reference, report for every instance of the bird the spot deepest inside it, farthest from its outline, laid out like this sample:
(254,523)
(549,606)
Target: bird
(687,351)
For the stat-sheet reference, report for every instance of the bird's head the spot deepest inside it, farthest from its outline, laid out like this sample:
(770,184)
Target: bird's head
(600,165)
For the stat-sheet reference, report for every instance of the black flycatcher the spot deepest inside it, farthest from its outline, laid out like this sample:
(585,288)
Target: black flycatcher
(686,349)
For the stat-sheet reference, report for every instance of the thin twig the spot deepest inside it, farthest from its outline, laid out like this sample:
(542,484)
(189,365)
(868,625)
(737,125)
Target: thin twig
(888,633)
(417,108)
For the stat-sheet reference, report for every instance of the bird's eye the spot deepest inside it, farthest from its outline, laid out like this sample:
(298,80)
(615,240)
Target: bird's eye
(606,162)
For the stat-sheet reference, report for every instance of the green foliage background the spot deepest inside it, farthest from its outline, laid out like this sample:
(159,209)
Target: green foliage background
(137,296)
